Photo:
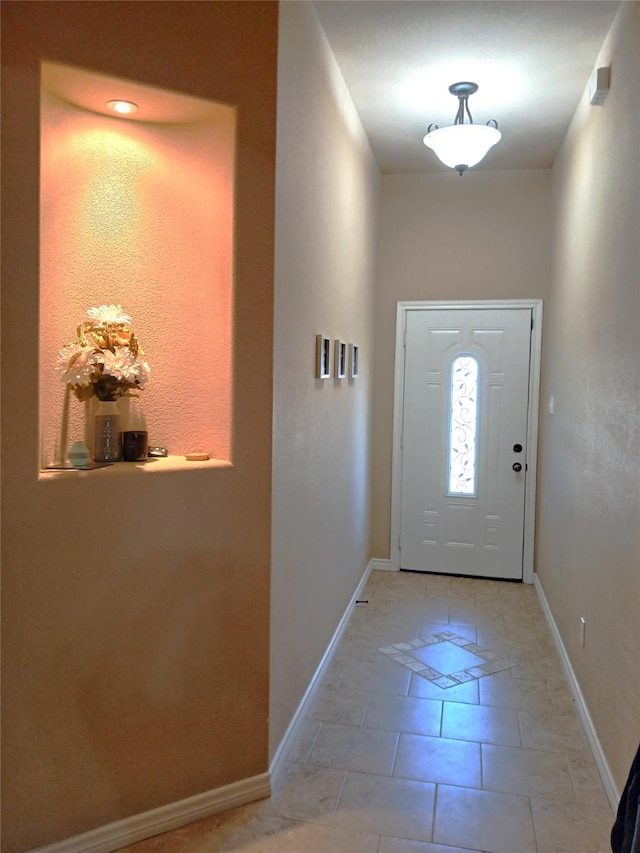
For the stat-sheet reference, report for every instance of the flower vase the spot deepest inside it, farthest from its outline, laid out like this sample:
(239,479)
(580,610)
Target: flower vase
(107,441)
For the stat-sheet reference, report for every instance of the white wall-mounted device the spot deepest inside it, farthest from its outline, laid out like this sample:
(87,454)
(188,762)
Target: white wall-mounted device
(599,86)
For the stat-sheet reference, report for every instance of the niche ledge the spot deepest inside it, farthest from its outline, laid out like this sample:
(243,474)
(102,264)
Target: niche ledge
(158,465)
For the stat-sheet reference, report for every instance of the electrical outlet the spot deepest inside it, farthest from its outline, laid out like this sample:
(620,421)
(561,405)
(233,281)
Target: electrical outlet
(583,626)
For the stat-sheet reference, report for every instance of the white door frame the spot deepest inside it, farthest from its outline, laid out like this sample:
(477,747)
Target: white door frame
(532,425)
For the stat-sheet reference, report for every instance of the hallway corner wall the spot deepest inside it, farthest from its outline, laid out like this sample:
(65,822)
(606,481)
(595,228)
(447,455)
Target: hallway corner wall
(588,543)
(326,208)
(135,601)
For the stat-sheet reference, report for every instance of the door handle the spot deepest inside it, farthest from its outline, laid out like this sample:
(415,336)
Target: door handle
(517,467)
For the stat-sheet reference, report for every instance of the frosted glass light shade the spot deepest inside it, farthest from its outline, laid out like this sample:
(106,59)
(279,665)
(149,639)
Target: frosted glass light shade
(462,144)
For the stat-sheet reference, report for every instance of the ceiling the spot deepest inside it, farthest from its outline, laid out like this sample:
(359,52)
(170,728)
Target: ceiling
(530,58)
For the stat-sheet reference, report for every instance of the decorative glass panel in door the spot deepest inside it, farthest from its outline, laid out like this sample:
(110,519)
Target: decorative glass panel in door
(463,425)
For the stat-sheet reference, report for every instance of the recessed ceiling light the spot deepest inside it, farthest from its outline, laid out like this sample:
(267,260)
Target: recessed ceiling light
(122,107)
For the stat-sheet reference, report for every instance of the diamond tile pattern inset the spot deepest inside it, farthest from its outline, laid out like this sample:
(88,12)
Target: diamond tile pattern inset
(460,657)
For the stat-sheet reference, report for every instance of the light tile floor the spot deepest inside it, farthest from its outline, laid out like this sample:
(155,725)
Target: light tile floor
(388,761)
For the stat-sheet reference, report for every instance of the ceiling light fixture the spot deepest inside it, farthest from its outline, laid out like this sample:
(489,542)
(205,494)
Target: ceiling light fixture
(461,145)
(122,107)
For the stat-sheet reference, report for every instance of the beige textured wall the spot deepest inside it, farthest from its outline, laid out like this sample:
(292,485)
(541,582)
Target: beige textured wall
(588,542)
(325,252)
(485,235)
(135,609)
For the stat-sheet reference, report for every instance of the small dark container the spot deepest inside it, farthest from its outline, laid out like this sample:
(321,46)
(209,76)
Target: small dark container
(135,445)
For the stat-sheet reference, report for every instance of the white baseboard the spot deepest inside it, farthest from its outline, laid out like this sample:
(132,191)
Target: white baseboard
(277,763)
(613,795)
(119,834)
(382,565)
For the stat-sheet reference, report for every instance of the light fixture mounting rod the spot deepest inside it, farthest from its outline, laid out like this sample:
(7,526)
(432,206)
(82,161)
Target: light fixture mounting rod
(462,92)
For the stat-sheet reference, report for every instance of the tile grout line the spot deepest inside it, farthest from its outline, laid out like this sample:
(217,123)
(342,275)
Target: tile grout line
(313,742)
(339,797)
(366,708)
(395,755)
(533,823)
(435,811)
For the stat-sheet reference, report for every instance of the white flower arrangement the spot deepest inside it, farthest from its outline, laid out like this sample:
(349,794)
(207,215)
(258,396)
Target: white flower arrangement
(105,360)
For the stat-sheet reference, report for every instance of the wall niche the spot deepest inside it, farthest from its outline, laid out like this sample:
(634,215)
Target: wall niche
(137,210)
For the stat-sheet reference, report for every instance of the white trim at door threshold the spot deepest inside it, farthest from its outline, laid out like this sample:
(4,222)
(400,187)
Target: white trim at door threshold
(380,565)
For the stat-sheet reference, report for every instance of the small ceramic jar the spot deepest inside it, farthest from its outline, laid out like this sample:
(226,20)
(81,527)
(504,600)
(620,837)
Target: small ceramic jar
(79,455)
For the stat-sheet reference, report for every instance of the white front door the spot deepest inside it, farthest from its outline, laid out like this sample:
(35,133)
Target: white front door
(464,441)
